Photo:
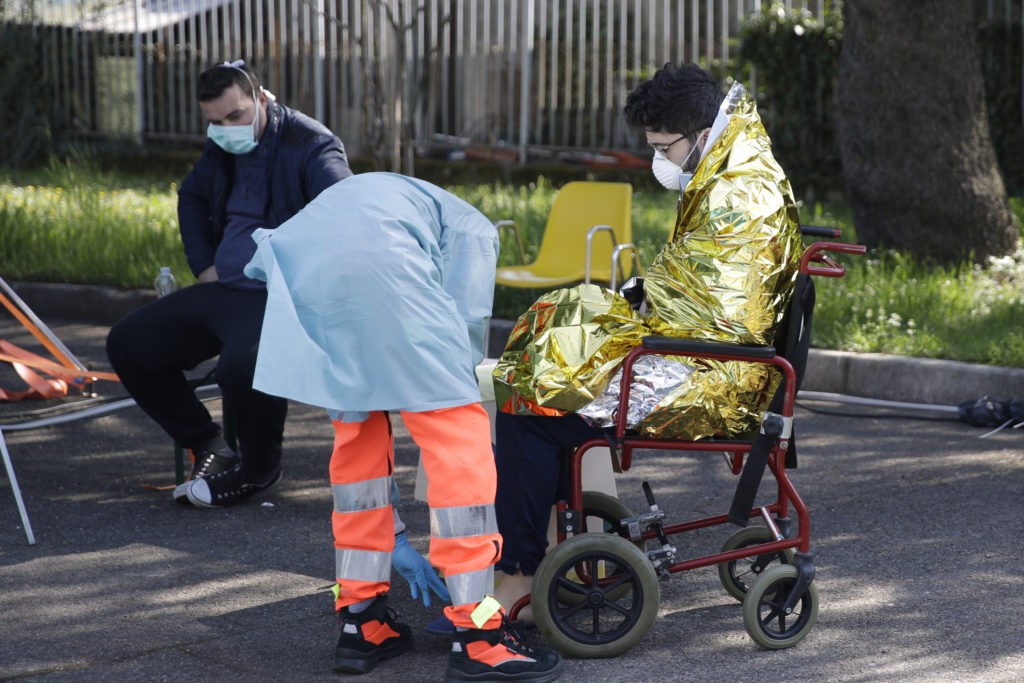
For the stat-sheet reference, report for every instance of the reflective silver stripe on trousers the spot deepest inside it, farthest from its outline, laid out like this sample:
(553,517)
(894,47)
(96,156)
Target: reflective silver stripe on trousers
(361,565)
(470,587)
(463,521)
(362,495)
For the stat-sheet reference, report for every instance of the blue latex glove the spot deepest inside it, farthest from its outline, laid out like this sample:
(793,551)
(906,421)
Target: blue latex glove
(415,569)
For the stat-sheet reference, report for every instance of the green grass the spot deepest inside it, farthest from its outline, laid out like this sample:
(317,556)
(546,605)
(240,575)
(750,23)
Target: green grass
(72,223)
(887,303)
(76,224)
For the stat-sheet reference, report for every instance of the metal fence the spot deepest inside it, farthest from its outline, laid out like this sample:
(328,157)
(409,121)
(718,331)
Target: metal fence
(512,74)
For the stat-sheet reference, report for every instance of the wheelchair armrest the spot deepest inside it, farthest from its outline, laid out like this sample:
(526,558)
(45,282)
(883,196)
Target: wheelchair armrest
(699,347)
(820,231)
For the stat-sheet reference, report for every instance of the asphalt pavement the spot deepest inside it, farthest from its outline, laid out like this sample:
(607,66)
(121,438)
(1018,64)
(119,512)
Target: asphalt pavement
(916,525)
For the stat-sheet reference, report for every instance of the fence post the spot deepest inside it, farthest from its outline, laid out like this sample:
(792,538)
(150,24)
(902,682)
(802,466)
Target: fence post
(319,55)
(140,104)
(526,80)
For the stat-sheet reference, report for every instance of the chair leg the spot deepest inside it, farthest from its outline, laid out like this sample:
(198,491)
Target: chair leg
(230,437)
(179,464)
(17,491)
(228,424)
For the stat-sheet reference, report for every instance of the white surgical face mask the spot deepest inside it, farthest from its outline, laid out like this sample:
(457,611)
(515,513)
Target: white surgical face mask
(236,139)
(671,176)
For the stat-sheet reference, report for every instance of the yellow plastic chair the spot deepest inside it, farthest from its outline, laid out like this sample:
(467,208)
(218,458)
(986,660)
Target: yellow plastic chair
(587,232)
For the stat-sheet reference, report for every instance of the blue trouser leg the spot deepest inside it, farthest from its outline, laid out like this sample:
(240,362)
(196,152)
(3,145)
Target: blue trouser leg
(530,456)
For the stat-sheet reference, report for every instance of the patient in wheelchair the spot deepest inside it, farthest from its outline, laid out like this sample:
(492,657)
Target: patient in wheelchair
(726,275)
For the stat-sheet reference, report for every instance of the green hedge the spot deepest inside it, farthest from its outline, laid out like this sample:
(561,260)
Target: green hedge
(1000,45)
(27,113)
(795,60)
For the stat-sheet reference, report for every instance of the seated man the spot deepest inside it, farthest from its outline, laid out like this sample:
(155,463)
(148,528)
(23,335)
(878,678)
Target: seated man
(262,163)
(379,292)
(725,275)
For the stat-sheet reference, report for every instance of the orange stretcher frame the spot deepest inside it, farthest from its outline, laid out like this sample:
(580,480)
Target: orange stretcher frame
(68,371)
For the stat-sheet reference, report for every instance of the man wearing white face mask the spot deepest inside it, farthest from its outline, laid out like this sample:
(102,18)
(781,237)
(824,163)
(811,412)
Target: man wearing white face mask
(675,109)
(713,149)
(263,162)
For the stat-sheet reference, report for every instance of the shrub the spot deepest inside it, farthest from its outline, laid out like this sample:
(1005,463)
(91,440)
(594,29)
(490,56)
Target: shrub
(1000,47)
(795,57)
(26,117)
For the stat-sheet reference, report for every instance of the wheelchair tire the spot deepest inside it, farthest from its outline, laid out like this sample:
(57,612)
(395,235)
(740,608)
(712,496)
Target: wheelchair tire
(738,575)
(605,620)
(761,614)
(611,511)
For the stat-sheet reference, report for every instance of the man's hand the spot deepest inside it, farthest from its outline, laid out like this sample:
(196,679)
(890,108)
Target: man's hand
(415,569)
(208,275)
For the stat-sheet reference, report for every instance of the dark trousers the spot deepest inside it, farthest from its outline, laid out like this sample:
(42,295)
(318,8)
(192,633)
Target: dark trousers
(151,348)
(531,455)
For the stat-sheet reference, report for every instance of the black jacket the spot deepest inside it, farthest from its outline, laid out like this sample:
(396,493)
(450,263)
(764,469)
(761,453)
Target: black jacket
(305,158)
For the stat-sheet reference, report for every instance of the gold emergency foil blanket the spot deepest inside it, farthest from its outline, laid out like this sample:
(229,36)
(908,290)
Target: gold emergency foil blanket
(726,275)
(728,269)
(564,350)
(720,398)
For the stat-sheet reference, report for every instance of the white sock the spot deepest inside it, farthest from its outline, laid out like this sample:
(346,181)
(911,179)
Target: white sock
(357,607)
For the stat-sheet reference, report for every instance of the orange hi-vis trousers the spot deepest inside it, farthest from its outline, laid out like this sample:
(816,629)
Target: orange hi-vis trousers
(455,446)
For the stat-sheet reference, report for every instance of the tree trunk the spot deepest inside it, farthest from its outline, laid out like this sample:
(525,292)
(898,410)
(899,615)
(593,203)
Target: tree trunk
(919,165)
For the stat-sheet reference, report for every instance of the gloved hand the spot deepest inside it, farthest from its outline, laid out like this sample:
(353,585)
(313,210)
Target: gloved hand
(415,569)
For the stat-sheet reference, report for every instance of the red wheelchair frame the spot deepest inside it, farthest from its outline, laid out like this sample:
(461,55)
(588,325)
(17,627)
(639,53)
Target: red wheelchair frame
(596,595)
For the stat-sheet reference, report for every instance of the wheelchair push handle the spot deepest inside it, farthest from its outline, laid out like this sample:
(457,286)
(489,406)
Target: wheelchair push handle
(814,254)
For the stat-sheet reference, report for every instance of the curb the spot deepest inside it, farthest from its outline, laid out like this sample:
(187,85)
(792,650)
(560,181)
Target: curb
(85,303)
(869,375)
(912,380)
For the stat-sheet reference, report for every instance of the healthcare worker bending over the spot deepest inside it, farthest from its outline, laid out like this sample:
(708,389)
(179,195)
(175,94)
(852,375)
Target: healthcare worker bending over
(378,296)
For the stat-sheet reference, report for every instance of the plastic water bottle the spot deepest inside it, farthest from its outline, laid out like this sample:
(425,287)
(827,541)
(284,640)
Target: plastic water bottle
(165,282)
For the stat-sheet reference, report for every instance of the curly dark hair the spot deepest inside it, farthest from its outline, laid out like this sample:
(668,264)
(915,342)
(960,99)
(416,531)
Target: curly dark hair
(212,83)
(680,99)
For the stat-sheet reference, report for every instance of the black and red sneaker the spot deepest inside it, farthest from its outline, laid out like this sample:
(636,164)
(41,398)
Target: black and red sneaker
(500,655)
(369,636)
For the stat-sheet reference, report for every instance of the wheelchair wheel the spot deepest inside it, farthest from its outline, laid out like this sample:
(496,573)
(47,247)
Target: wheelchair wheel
(608,615)
(738,575)
(763,618)
(611,511)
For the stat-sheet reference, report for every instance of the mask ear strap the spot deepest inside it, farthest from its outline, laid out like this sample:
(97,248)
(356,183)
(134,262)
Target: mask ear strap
(689,154)
(237,66)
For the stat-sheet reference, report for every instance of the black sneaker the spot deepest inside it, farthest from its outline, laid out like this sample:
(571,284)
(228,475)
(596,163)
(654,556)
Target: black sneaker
(369,636)
(500,655)
(204,463)
(226,488)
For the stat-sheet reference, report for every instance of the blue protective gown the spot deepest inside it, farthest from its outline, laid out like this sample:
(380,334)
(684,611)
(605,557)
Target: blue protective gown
(379,294)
